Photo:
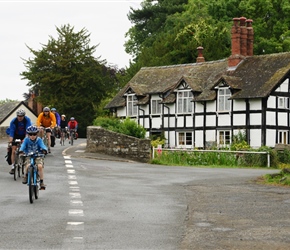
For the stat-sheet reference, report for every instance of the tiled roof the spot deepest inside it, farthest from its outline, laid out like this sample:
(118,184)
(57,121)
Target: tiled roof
(254,77)
(7,108)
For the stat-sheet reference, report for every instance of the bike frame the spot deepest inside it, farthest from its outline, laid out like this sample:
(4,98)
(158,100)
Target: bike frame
(32,174)
(72,133)
(18,161)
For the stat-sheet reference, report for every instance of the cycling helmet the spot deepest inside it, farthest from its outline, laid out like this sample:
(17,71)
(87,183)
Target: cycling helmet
(46,109)
(53,109)
(63,116)
(20,112)
(72,118)
(32,130)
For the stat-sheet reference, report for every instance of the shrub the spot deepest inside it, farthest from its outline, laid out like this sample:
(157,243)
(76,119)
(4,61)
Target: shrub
(127,126)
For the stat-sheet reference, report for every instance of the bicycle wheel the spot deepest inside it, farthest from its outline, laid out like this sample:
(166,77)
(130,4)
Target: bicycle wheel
(30,185)
(36,188)
(62,139)
(72,138)
(15,171)
(19,170)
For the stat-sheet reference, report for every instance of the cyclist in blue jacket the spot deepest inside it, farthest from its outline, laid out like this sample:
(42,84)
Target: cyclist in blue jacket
(34,144)
(17,130)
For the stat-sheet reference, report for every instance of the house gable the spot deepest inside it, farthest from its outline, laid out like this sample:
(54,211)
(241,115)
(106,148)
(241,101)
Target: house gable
(8,112)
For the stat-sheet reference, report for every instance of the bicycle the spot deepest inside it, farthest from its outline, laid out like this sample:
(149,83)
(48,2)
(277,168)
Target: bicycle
(63,133)
(33,181)
(18,164)
(72,134)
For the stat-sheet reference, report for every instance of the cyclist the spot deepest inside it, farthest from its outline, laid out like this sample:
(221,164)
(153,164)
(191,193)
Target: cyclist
(73,125)
(63,125)
(57,117)
(17,130)
(34,144)
(47,120)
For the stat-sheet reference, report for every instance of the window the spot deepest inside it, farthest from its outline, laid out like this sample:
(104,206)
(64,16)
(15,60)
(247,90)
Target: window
(224,104)
(185,139)
(184,101)
(224,138)
(282,102)
(155,107)
(131,105)
(283,137)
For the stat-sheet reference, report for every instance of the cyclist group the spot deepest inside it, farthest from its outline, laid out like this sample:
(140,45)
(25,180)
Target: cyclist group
(48,122)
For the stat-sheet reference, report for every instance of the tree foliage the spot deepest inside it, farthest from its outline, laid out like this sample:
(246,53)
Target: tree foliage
(65,74)
(167,32)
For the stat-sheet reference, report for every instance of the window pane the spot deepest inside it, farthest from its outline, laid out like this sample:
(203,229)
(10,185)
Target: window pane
(181,138)
(188,138)
(184,103)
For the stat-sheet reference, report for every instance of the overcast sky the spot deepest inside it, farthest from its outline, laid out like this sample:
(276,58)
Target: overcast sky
(33,22)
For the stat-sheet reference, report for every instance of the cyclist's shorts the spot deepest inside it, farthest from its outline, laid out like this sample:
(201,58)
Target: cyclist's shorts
(21,137)
(38,160)
(48,130)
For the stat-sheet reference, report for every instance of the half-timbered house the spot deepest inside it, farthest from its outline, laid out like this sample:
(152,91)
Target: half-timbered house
(205,103)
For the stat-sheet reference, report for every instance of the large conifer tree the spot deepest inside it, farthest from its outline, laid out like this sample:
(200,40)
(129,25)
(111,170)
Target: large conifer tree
(68,77)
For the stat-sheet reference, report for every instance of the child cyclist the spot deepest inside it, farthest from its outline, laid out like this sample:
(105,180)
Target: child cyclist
(34,144)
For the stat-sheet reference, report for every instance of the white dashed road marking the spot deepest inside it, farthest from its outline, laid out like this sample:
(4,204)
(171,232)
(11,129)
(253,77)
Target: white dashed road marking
(75,200)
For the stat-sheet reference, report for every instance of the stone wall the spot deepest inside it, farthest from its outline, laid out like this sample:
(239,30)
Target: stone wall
(111,143)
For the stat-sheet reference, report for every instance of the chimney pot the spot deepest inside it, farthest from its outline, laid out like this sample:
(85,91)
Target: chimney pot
(200,57)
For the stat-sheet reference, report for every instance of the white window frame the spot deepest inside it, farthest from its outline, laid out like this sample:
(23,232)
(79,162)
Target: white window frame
(283,137)
(156,106)
(184,101)
(132,105)
(185,139)
(224,104)
(224,138)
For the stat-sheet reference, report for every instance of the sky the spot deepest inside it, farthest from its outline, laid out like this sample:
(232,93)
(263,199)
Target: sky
(32,23)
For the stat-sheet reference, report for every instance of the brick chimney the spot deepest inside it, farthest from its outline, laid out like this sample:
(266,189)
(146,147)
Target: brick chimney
(31,101)
(250,40)
(236,56)
(200,57)
(242,35)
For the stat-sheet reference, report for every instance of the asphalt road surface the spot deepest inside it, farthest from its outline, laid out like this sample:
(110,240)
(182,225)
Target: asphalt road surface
(93,201)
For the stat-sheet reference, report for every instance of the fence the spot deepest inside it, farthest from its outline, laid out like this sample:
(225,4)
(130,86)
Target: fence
(159,150)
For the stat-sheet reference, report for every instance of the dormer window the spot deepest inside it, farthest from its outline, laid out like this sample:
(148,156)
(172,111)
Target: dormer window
(184,101)
(224,104)
(131,105)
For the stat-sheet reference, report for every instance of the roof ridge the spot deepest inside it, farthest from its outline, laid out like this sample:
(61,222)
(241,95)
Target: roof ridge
(182,65)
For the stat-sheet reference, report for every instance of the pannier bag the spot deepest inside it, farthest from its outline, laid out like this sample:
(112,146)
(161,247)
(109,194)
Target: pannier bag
(8,156)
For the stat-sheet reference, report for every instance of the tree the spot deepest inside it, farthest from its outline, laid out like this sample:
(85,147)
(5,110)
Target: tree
(167,34)
(65,74)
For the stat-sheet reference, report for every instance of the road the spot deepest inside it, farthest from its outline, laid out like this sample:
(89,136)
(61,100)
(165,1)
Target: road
(97,203)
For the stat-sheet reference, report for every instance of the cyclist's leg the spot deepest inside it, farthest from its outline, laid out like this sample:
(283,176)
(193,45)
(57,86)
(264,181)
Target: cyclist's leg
(40,165)
(13,152)
(26,165)
(41,132)
(48,134)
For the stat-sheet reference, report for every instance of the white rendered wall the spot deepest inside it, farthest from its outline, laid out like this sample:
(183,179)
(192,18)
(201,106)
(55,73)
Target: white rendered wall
(255,135)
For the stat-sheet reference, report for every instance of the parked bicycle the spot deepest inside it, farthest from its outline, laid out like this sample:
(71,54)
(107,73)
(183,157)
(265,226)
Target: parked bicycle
(19,163)
(33,181)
